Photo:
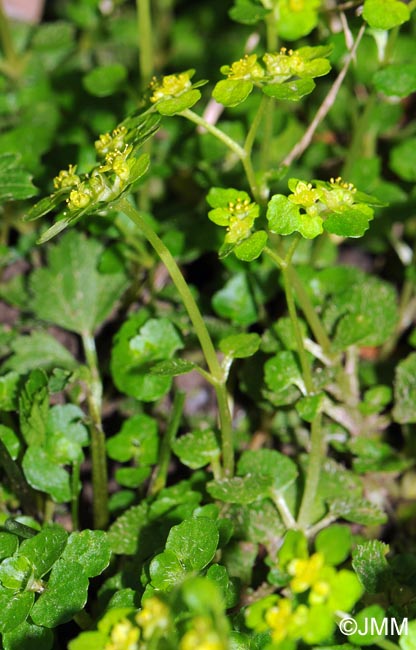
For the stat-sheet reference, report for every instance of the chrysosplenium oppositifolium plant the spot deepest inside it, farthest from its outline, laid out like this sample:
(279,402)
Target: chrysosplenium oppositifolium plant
(208,377)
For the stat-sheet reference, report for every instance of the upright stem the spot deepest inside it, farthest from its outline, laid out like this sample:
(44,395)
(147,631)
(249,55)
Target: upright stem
(316,456)
(7,45)
(159,481)
(98,451)
(145,32)
(200,330)
(232,145)
(75,477)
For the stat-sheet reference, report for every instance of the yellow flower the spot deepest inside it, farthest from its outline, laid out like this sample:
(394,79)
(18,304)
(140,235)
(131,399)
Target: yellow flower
(171,85)
(278,617)
(154,616)
(201,636)
(111,142)
(79,198)
(124,636)
(246,68)
(306,572)
(305,195)
(278,66)
(66,178)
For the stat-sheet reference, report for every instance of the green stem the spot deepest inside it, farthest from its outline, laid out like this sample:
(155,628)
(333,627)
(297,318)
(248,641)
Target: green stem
(145,32)
(159,481)
(17,481)
(385,644)
(200,330)
(75,478)
(363,141)
(98,451)
(7,44)
(316,456)
(232,145)
(251,135)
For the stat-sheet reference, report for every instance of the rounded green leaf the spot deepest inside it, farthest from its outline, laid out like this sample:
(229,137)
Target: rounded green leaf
(291,91)
(396,80)
(11,441)
(277,468)
(285,217)
(252,247)
(65,596)
(16,572)
(105,79)
(231,92)
(166,570)
(239,489)
(240,346)
(194,542)
(405,390)
(42,473)
(385,14)
(369,621)
(350,222)
(178,104)
(45,548)
(408,641)
(334,543)
(14,608)
(197,448)
(172,367)
(27,636)
(131,477)
(235,301)
(282,371)
(137,439)
(91,549)
(8,544)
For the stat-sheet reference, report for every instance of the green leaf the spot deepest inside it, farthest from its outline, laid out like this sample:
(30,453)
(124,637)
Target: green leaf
(11,441)
(334,543)
(137,439)
(285,217)
(8,391)
(178,104)
(309,406)
(350,222)
(235,301)
(295,20)
(197,448)
(282,371)
(91,549)
(34,408)
(105,80)
(27,636)
(232,92)
(8,544)
(404,410)
(70,291)
(291,91)
(16,572)
(396,80)
(248,12)
(65,596)
(14,608)
(138,345)
(278,469)
(38,350)
(124,533)
(408,641)
(89,640)
(403,159)
(42,473)
(132,477)
(239,489)
(166,571)
(240,346)
(219,197)
(368,620)
(172,367)
(370,564)
(45,548)
(15,184)
(194,542)
(66,433)
(252,247)
(385,14)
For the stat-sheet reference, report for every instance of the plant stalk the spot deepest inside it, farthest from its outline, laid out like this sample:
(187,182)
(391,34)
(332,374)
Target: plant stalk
(200,330)
(159,481)
(98,450)
(316,456)
(145,32)
(12,59)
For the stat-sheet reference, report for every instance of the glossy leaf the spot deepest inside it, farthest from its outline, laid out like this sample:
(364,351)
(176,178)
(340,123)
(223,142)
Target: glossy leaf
(138,440)
(91,549)
(27,636)
(268,464)
(385,14)
(251,248)
(197,448)
(284,218)
(235,301)
(232,92)
(65,596)
(240,346)
(42,473)
(176,105)
(124,533)
(291,91)
(245,489)
(44,549)
(194,542)
(14,608)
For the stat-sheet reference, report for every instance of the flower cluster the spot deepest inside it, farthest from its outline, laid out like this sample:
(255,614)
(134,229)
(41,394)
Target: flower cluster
(237,215)
(170,86)
(278,67)
(201,636)
(314,593)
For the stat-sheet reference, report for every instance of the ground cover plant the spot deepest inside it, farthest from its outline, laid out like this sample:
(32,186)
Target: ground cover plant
(208,366)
